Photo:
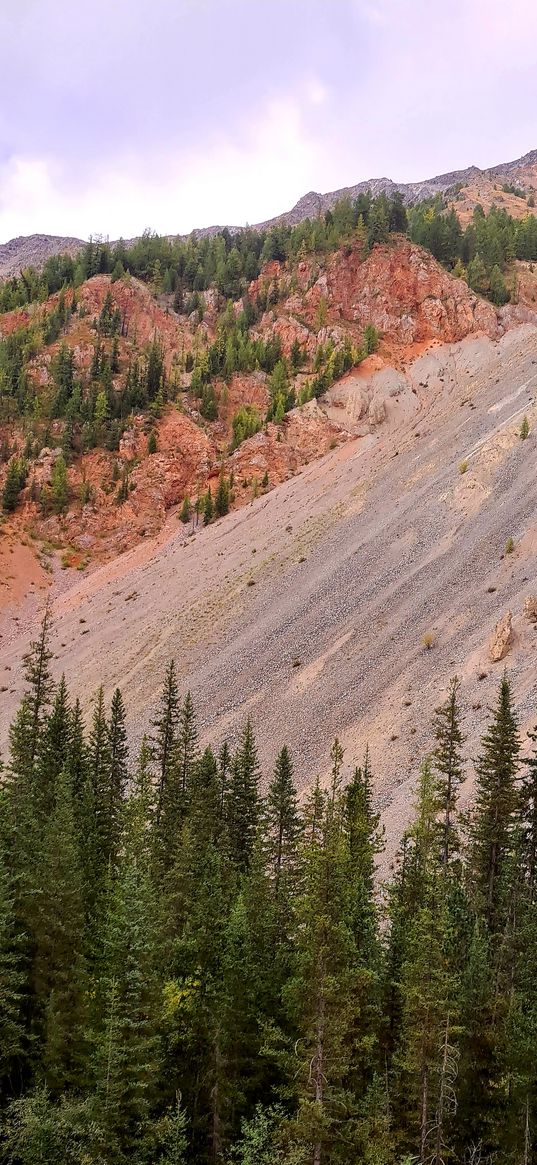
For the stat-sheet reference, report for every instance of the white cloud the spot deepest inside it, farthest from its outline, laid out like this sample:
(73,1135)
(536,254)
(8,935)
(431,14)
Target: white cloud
(230,183)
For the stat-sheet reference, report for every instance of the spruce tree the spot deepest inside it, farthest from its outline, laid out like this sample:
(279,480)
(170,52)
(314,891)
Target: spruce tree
(221,501)
(187,746)
(449,767)
(164,738)
(97,801)
(243,804)
(429,991)
(208,507)
(282,824)
(326,995)
(59,973)
(496,803)
(363,823)
(54,749)
(28,725)
(127,1039)
(14,1042)
(117,777)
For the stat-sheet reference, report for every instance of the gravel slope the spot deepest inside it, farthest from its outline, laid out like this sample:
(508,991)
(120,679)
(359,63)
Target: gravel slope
(353,562)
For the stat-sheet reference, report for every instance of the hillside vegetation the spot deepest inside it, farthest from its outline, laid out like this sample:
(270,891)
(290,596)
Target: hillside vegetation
(234,331)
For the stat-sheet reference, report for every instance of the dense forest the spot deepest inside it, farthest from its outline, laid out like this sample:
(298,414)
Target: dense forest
(196,967)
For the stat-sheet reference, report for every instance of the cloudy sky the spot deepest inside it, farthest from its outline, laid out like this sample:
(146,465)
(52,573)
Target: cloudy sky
(116,115)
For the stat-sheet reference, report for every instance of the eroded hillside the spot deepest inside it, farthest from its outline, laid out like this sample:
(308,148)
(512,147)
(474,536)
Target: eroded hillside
(343,601)
(147,407)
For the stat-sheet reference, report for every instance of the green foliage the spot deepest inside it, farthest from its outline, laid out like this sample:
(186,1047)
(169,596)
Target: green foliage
(14,483)
(246,422)
(59,485)
(221,501)
(208,507)
(495,806)
(371,339)
(198,966)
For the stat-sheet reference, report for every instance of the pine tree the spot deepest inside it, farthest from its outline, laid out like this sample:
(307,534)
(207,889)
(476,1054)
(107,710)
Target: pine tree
(28,726)
(429,989)
(326,995)
(117,778)
(187,745)
(363,823)
(15,480)
(60,977)
(208,507)
(60,485)
(243,807)
(164,739)
(14,1043)
(127,1040)
(449,766)
(221,501)
(495,805)
(77,760)
(54,749)
(282,824)
(97,801)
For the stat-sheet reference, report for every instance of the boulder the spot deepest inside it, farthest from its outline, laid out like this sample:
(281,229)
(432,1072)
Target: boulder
(377,410)
(502,638)
(530,608)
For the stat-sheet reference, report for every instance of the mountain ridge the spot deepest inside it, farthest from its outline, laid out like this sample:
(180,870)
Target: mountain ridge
(33,250)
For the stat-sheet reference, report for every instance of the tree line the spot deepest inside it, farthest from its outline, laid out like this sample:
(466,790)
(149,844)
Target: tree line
(481,252)
(196,967)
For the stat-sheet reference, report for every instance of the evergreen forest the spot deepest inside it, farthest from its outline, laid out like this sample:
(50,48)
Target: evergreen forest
(197,966)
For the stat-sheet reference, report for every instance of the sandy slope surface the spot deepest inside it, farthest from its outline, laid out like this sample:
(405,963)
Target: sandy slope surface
(309,607)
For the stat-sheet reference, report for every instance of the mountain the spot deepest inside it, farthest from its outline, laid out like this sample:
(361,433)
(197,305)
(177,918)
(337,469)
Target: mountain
(355,406)
(345,597)
(34,250)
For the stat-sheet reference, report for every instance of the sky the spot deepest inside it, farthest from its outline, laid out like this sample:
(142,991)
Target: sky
(122,115)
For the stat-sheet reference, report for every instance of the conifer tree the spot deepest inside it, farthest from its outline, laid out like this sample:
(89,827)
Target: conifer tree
(363,823)
(127,1039)
(449,766)
(77,759)
(187,746)
(96,840)
(117,777)
(164,739)
(224,775)
(221,501)
(243,805)
(54,749)
(60,978)
(14,1044)
(326,993)
(429,989)
(282,824)
(25,735)
(208,507)
(495,805)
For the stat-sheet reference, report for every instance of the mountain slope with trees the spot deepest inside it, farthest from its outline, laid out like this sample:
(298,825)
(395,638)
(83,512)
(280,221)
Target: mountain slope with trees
(136,379)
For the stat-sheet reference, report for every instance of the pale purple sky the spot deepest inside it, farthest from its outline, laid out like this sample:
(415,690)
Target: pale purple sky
(116,115)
